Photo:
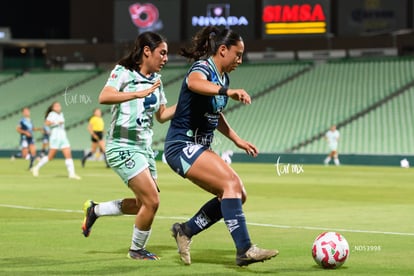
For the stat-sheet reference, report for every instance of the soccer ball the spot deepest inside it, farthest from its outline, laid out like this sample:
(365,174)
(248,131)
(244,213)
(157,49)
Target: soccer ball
(330,250)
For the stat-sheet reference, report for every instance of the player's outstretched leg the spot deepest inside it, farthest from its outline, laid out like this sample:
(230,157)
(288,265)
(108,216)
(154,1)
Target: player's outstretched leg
(183,243)
(90,217)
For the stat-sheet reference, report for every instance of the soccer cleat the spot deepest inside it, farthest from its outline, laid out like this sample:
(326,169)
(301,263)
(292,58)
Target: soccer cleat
(142,254)
(90,217)
(75,176)
(183,243)
(35,171)
(254,255)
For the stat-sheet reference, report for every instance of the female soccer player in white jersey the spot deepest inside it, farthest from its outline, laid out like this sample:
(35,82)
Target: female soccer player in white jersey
(135,90)
(204,94)
(58,140)
(332,137)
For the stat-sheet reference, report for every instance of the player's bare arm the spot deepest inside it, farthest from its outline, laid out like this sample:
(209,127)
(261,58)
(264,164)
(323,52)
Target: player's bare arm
(165,113)
(110,95)
(226,130)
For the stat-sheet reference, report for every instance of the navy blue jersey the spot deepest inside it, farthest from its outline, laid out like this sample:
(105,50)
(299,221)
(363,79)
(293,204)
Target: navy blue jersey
(196,116)
(26,125)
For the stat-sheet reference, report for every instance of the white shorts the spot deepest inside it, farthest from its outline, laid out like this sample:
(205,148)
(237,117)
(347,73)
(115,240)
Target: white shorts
(129,163)
(333,146)
(59,143)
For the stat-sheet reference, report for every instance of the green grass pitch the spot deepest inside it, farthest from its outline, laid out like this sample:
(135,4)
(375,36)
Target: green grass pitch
(373,207)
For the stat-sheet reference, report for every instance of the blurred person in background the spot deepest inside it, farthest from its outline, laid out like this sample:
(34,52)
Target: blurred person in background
(96,128)
(25,128)
(332,138)
(58,141)
(45,140)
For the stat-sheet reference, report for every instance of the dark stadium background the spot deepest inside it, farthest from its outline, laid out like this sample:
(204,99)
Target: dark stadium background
(95,21)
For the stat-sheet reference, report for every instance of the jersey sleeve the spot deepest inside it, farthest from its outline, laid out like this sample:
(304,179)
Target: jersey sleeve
(202,67)
(117,78)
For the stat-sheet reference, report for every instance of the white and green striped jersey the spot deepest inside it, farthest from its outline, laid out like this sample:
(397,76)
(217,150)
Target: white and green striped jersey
(132,121)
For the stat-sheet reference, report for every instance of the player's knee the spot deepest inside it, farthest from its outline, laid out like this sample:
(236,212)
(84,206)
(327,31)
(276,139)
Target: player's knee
(150,207)
(153,204)
(235,185)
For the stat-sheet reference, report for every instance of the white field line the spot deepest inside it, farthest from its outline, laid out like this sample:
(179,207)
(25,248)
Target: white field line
(251,223)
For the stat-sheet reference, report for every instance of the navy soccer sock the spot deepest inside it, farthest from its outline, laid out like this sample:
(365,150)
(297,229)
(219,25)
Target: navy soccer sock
(209,214)
(233,215)
(32,158)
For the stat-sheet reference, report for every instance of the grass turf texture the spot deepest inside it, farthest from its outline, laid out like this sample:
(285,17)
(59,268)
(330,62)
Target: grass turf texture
(373,207)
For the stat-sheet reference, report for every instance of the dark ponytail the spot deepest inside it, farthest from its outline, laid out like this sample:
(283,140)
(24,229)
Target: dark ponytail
(49,109)
(207,41)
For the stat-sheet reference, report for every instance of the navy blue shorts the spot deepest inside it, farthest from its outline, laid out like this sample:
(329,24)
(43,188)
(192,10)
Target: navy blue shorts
(26,141)
(181,156)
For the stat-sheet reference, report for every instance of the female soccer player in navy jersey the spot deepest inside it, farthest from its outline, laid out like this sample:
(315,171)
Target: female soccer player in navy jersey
(204,94)
(25,128)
